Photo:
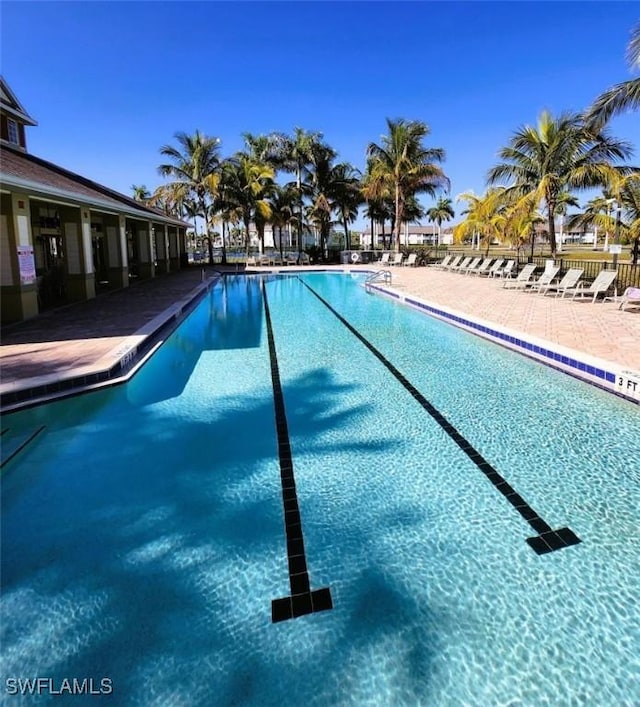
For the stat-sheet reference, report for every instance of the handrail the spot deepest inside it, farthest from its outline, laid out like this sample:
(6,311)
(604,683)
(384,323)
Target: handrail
(378,276)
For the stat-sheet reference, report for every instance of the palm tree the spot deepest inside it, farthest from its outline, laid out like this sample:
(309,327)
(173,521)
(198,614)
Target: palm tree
(248,185)
(623,96)
(521,220)
(560,155)
(378,199)
(346,196)
(171,199)
(596,214)
(403,165)
(140,192)
(565,199)
(194,165)
(630,198)
(442,211)
(485,216)
(294,155)
(282,202)
(320,208)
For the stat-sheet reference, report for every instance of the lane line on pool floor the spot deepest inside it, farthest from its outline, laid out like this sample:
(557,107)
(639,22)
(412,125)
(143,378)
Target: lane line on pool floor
(302,599)
(547,539)
(20,447)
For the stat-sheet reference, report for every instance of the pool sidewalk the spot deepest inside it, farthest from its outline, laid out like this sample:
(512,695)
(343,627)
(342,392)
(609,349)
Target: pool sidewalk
(87,338)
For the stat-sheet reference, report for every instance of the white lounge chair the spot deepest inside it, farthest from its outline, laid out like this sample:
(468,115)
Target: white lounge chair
(397,259)
(548,276)
(599,286)
(471,266)
(505,270)
(453,263)
(630,296)
(443,263)
(482,268)
(410,261)
(569,281)
(465,262)
(523,277)
(384,259)
(489,272)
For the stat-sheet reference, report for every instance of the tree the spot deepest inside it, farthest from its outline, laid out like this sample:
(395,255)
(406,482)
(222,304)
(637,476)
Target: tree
(521,220)
(442,211)
(403,165)
(346,196)
(248,185)
(282,202)
(630,200)
(485,216)
(560,155)
(294,154)
(194,165)
(140,193)
(596,214)
(565,199)
(378,198)
(621,97)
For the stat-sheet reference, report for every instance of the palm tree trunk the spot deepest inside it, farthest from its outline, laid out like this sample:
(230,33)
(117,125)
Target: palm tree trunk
(224,242)
(247,242)
(552,228)
(299,181)
(398,222)
(347,240)
(533,240)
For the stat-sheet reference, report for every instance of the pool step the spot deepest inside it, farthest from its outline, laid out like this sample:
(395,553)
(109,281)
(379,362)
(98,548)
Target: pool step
(13,444)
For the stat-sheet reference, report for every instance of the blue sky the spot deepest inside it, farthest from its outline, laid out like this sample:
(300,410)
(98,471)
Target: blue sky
(109,83)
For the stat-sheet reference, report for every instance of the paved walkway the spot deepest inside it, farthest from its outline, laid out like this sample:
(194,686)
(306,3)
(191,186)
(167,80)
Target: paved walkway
(601,329)
(78,337)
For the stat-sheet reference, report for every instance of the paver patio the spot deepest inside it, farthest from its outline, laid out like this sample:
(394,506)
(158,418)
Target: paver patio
(80,336)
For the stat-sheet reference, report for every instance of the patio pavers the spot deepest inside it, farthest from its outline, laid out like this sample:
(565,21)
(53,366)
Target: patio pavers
(59,342)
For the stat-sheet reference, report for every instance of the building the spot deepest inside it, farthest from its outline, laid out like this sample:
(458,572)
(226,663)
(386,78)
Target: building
(410,235)
(64,237)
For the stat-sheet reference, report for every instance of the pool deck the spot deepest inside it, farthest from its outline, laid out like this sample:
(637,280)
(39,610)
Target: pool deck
(85,339)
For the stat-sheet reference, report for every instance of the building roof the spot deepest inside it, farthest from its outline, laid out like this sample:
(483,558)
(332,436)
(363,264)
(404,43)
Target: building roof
(11,105)
(34,175)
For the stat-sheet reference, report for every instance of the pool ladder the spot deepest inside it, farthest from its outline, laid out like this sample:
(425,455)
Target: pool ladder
(378,276)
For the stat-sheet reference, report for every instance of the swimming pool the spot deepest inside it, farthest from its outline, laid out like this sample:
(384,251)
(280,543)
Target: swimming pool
(149,534)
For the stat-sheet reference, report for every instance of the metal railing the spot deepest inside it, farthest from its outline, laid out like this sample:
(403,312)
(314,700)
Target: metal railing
(628,273)
(378,276)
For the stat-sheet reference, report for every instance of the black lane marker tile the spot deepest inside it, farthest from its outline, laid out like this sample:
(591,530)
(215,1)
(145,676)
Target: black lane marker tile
(301,601)
(548,539)
(27,441)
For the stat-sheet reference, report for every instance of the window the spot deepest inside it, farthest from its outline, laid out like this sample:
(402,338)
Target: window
(12,131)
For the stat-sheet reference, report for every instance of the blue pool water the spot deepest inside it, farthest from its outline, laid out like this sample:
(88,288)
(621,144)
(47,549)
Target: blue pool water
(143,537)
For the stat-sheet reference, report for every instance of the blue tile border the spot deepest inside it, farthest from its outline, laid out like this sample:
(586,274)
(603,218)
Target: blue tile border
(571,366)
(12,401)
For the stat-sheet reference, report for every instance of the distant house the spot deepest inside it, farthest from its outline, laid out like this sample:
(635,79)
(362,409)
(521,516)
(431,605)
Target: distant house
(63,236)
(410,235)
